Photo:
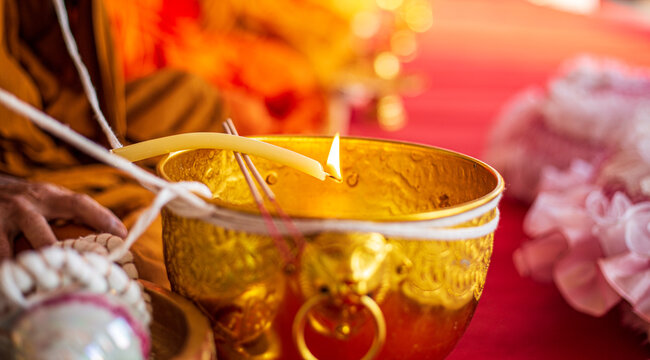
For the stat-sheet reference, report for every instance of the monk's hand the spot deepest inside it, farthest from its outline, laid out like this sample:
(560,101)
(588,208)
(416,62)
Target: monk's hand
(28,206)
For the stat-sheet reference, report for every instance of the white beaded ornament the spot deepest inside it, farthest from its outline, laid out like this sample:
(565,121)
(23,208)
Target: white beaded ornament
(72,265)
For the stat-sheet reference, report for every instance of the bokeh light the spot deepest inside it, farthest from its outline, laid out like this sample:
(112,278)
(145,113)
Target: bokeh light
(366,24)
(387,65)
(391,113)
(389,5)
(418,15)
(403,43)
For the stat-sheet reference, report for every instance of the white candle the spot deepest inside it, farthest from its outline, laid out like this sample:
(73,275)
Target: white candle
(207,140)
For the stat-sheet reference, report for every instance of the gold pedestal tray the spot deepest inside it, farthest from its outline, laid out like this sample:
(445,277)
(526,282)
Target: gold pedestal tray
(179,331)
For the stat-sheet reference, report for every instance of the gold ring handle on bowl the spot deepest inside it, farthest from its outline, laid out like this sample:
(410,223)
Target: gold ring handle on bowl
(300,320)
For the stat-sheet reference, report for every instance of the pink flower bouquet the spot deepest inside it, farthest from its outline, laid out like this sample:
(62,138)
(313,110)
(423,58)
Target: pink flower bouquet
(579,150)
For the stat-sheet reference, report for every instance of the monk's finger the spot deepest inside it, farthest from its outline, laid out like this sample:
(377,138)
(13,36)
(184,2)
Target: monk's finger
(35,227)
(5,245)
(91,213)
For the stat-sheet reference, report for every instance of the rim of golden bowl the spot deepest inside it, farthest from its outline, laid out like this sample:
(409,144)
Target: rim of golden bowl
(420,216)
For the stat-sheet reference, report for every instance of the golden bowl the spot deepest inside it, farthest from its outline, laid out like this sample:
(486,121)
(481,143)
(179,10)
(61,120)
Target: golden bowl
(352,294)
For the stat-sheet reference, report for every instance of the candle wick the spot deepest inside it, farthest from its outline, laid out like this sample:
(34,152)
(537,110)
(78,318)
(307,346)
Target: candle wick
(334,177)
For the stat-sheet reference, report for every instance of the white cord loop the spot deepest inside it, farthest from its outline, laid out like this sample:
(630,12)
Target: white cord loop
(171,195)
(437,229)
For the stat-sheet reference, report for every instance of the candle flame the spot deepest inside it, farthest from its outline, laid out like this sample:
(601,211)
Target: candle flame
(333,165)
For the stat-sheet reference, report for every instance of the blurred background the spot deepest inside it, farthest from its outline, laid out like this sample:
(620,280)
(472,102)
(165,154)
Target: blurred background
(387,68)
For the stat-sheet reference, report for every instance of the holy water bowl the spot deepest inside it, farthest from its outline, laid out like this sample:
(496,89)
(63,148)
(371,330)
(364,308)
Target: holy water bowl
(377,293)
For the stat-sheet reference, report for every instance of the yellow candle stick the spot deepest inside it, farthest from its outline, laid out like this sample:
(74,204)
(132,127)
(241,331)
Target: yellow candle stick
(207,140)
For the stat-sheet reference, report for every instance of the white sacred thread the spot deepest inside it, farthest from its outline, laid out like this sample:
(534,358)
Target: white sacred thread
(181,198)
(185,198)
(71,45)
(193,206)
(190,205)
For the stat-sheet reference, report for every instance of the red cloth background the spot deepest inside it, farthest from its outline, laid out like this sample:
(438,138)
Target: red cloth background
(477,55)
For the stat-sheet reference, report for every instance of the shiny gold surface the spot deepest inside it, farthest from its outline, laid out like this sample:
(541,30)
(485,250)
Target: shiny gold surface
(238,279)
(235,277)
(178,331)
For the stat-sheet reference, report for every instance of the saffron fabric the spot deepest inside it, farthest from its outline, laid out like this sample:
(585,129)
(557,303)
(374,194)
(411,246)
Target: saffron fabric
(36,68)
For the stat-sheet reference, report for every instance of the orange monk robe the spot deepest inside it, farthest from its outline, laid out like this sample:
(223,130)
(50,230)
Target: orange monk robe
(35,66)
(272,82)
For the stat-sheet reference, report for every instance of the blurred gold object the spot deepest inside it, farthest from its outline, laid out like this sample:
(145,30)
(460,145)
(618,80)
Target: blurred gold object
(178,331)
(418,15)
(403,43)
(423,291)
(389,5)
(391,113)
(387,65)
